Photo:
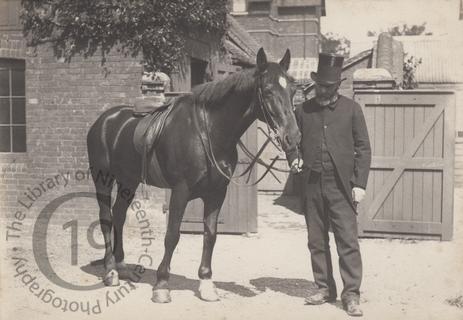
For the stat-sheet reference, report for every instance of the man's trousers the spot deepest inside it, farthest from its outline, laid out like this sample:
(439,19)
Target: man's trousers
(325,206)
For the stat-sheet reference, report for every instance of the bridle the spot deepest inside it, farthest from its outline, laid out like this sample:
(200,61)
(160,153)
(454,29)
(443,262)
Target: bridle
(265,110)
(272,134)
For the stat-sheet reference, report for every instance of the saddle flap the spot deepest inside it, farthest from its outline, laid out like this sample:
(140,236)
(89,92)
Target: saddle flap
(145,137)
(150,127)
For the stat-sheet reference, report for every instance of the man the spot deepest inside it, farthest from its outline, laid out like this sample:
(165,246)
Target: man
(335,162)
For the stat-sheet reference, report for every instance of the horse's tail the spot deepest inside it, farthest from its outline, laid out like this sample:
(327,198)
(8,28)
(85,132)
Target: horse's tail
(98,141)
(99,147)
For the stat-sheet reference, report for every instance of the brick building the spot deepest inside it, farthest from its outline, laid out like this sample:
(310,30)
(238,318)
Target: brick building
(47,106)
(278,25)
(281,24)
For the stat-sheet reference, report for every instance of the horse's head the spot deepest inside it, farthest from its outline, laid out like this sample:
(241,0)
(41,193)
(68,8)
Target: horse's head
(275,90)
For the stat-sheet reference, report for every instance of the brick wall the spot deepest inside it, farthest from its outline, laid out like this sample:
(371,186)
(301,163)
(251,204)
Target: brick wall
(251,22)
(276,36)
(62,101)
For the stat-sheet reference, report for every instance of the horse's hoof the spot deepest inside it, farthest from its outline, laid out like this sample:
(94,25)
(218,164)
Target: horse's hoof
(208,291)
(161,296)
(111,278)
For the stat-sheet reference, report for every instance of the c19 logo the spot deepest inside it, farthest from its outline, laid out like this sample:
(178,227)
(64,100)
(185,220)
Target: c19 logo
(40,241)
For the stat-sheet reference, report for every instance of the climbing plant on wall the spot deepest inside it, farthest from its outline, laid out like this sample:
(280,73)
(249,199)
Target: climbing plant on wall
(154,30)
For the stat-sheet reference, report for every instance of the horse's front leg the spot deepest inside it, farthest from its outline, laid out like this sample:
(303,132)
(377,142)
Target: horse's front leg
(178,201)
(212,204)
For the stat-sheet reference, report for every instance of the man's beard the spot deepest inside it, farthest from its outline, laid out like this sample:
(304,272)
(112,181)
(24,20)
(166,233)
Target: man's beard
(326,101)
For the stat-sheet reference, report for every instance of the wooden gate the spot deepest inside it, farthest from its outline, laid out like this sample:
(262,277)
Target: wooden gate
(410,187)
(239,210)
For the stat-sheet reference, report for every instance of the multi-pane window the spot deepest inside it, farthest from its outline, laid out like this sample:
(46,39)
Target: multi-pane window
(297,11)
(12,106)
(9,15)
(259,7)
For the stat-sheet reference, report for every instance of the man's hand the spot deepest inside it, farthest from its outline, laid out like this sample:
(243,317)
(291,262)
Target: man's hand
(296,165)
(358,194)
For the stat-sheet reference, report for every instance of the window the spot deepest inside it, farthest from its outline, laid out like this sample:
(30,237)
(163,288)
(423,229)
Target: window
(9,15)
(12,106)
(259,7)
(292,11)
(239,5)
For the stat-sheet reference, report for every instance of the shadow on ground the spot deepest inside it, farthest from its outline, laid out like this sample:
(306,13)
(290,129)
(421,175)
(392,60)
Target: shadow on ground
(292,203)
(300,288)
(291,287)
(176,282)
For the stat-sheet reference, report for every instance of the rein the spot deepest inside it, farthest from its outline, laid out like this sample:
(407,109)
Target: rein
(255,158)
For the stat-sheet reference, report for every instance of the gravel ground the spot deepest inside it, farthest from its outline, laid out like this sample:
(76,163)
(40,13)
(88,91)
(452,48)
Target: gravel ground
(259,276)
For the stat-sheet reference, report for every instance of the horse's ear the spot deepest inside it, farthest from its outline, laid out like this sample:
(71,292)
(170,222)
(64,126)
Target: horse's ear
(261,60)
(284,63)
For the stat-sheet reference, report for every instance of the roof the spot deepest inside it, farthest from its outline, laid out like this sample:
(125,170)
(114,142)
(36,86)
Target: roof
(441,56)
(357,58)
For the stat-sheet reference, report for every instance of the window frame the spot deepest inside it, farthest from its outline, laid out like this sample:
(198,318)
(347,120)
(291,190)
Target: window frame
(289,11)
(252,7)
(11,65)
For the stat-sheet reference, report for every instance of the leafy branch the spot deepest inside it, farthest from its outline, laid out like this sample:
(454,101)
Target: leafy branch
(154,30)
(410,66)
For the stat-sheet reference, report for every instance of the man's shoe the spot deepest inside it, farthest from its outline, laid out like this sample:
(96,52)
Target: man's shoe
(319,298)
(352,307)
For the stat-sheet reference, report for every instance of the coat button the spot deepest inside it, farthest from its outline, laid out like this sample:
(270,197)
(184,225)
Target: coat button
(325,127)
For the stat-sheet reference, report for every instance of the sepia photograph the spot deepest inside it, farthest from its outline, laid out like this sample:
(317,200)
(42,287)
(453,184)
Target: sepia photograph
(231,159)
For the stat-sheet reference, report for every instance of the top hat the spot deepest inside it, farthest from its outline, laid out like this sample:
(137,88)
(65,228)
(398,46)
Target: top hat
(329,69)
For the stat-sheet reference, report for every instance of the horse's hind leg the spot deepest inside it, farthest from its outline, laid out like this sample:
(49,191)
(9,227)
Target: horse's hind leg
(178,201)
(103,184)
(125,194)
(212,204)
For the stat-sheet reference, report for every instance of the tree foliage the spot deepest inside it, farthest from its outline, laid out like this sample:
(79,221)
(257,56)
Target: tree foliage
(333,43)
(156,30)
(411,63)
(405,30)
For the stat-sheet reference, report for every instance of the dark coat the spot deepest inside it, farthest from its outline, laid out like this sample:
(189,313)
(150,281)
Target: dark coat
(346,140)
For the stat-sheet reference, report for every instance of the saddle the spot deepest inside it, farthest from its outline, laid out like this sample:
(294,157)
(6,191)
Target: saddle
(146,136)
(148,105)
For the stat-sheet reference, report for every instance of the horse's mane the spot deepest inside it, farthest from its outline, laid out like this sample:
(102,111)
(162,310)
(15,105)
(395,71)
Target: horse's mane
(212,92)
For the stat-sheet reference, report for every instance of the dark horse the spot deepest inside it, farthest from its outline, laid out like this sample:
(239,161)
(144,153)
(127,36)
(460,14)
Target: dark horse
(200,135)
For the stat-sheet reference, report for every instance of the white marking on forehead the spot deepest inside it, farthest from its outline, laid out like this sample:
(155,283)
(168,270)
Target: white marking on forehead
(282,82)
